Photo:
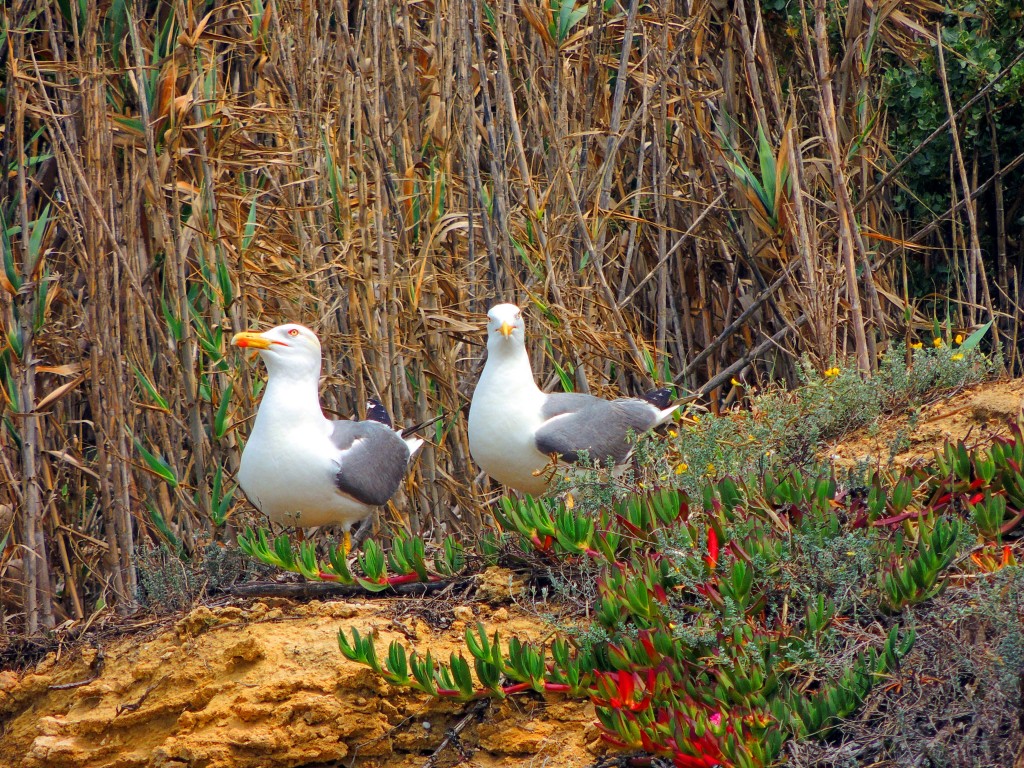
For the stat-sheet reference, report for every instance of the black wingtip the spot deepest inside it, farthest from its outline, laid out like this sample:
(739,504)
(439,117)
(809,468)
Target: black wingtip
(659,398)
(375,411)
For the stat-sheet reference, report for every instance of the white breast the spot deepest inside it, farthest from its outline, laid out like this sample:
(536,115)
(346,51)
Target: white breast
(503,420)
(287,472)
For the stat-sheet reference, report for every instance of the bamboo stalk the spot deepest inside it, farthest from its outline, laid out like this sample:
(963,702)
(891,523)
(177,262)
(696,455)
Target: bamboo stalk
(38,609)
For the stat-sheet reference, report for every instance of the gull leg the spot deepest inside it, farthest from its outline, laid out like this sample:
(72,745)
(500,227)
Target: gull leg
(548,469)
(346,542)
(363,530)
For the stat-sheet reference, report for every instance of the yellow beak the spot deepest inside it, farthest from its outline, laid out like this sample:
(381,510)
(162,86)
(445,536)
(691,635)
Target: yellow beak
(506,330)
(250,339)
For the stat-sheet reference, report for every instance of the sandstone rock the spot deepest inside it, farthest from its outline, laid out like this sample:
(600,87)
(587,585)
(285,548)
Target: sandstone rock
(268,688)
(498,585)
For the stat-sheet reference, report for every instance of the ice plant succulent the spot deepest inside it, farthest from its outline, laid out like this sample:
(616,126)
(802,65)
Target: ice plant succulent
(693,669)
(406,558)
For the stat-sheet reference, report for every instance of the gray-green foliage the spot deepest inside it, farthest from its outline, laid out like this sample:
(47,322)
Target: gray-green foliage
(790,426)
(169,582)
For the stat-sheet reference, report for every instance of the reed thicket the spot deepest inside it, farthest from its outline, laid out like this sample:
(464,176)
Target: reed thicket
(683,192)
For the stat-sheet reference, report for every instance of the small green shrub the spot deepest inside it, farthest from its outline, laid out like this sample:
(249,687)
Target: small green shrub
(789,426)
(170,582)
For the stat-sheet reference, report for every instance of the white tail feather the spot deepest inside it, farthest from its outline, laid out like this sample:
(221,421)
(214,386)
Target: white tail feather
(414,444)
(666,414)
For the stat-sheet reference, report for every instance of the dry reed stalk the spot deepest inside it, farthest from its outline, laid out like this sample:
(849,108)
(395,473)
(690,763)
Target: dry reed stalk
(976,268)
(1002,273)
(849,238)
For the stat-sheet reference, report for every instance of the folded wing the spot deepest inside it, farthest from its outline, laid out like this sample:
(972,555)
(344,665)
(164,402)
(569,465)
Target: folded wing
(372,463)
(574,423)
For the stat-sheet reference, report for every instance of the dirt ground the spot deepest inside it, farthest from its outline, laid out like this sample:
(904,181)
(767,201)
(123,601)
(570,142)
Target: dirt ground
(262,682)
(975,415)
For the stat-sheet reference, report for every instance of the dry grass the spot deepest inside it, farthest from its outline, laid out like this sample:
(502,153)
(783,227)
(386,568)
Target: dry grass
(382,172)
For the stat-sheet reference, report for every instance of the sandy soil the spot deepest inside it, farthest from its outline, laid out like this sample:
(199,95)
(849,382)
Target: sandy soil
(975,415)
(265,685)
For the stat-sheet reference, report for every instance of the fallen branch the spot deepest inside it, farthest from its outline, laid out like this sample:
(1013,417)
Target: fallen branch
(739,365)
(318,589)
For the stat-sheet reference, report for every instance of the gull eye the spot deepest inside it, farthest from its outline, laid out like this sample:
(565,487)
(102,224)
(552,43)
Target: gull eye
(293,332)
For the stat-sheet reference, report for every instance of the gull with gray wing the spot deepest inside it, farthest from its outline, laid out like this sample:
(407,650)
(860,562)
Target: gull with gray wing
(515,429)
(301,468)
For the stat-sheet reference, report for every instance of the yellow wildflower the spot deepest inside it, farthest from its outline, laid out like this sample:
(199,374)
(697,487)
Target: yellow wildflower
(957,356)
(711,469)
(936,343)
(959,339)
(916,345)
(680,468)
(831,373)
(570,502)
(673,433)
(736,382)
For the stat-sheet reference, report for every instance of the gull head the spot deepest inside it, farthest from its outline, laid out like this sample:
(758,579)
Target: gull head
(289,350)
(505,325)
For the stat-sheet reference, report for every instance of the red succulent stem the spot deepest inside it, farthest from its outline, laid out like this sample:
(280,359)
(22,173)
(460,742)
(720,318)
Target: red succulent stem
(509,690)
(517,688)
(408,578)
(544,545)
(612,739)
(1006,528)
(899,518)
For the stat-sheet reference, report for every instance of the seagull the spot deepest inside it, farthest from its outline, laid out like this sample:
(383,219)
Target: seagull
(515,430)
(301,468)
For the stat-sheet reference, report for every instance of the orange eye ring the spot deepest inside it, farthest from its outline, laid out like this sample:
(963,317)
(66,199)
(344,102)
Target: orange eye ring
(293,332)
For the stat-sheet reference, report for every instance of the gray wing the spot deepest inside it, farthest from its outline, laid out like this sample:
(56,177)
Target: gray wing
(373,462)
(575,423)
